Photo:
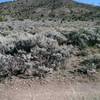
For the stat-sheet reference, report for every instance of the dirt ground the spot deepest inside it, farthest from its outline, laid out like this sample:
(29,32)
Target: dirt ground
(49,90)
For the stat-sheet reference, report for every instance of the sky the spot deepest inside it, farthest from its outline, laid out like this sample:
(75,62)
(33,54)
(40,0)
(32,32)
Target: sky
(94,2)
(5,0)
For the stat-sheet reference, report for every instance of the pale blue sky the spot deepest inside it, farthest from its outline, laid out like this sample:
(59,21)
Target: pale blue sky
(94,2)
(5,0)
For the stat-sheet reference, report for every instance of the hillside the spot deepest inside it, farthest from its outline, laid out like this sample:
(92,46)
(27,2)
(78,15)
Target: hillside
(49,50)
(50,9)
(42,38)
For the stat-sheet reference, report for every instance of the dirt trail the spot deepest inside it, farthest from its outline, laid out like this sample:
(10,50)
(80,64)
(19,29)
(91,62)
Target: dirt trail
(29,90)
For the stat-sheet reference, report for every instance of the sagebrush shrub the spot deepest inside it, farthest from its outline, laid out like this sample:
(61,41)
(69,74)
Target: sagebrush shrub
(84,38)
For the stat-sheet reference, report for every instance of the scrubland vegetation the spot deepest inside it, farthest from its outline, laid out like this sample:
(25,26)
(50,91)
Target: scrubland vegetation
(39,38)
(57,40)
(37,49)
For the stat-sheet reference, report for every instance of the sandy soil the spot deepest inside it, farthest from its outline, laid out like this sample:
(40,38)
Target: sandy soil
(53,90)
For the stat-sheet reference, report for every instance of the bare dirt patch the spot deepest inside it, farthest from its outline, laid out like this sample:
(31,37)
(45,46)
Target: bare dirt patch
(52,90)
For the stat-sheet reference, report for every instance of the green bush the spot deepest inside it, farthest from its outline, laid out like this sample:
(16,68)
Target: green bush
(90,66)
(92,62)
(2,18)
(84,38)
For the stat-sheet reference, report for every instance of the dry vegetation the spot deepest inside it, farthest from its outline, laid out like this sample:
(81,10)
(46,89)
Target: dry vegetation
(52,43)
(36,48)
